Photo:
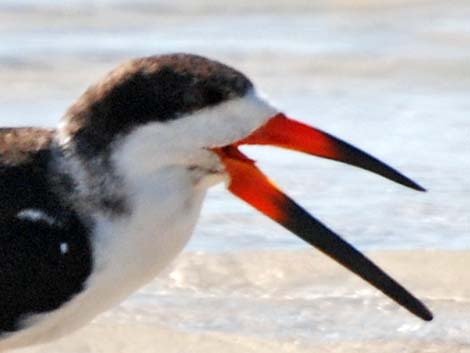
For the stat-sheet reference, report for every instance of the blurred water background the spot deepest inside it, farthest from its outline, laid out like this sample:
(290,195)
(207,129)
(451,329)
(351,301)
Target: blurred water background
(391,77)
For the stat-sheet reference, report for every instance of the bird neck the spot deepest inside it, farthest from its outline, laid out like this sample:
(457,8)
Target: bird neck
(90,184)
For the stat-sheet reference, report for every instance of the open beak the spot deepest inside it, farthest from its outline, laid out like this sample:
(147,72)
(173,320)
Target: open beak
(251,185)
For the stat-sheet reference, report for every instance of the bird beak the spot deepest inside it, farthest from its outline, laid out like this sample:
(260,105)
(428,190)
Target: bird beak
(251,185)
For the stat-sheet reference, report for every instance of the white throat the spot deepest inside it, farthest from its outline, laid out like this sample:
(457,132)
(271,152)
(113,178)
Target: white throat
(166,168)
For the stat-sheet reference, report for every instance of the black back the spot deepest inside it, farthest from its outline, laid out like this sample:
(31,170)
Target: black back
(35,275)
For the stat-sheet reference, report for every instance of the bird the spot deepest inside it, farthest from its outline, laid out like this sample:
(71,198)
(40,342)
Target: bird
(92,210)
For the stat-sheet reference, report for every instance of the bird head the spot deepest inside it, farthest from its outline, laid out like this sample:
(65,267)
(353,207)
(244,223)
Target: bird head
(193,113)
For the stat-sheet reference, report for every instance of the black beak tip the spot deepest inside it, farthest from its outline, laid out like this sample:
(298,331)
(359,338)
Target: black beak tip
(420,310)
(418,187)
(427,316)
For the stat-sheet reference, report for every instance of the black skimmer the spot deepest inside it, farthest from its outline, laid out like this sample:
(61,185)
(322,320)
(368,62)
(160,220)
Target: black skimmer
(96,208)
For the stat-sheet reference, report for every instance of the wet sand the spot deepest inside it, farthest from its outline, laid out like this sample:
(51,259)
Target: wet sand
(143,339)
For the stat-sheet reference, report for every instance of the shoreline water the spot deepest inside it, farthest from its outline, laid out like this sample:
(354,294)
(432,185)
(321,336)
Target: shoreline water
(286,301)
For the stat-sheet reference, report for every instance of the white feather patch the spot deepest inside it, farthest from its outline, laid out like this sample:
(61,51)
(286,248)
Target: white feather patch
(35,215)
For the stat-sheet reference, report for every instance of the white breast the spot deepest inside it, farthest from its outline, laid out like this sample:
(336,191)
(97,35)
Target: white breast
(130,251)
